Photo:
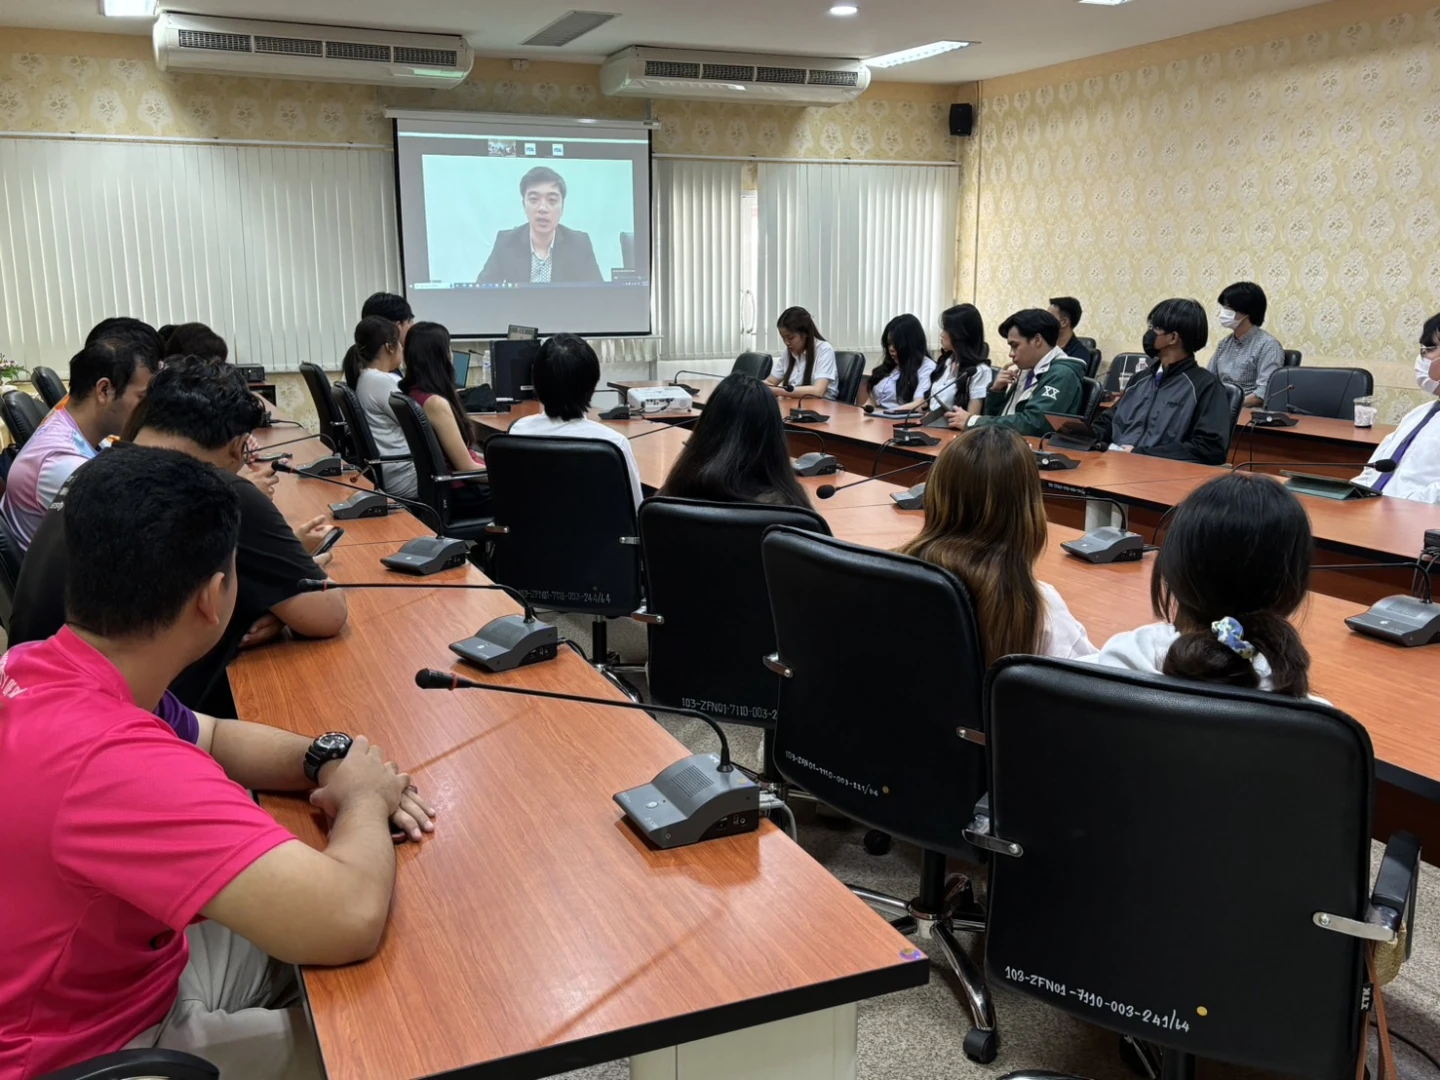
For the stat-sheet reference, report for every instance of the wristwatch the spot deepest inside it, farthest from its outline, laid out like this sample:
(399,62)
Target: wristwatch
(332,746)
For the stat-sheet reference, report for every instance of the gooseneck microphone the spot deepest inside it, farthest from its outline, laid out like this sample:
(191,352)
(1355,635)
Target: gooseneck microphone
(288,442)
(797,415)
(665,427)
(1327,487)
(1409,621)
(1265,417)
(826,491)
(699,797)
(692,391)
(502,644)
(1107,544)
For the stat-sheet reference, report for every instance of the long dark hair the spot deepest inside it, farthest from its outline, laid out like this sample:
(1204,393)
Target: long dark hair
(967,336)
(797,320)
(372,334)
(1239,547)
(430,367)
(737,451)
(908,337)
(985,523)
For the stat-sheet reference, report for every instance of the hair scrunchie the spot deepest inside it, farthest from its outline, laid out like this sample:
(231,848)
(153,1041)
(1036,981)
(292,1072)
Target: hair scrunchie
(1231,634)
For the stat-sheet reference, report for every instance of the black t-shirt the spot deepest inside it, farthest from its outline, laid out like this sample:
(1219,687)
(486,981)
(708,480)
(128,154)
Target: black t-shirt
(270,562)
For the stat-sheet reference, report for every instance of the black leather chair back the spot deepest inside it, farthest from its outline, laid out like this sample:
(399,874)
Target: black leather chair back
(361,438)
(1237,401)
(1088,342)
(849,370)
(1122,366)
(1096,359)
(431,462)
(1090,400)
(716,628)
(758,364)
(1293,357)
(10,556)
(48,385)
(333,432)
(879,746)
(1177,840)
(22,415)
(571,541)
(1319,391)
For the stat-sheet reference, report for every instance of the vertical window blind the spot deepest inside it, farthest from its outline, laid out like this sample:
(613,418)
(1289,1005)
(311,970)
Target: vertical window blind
(856,245)
(698,281)
(274,247)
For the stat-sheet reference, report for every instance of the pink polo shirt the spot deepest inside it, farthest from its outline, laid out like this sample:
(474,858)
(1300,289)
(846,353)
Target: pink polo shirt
(118,832)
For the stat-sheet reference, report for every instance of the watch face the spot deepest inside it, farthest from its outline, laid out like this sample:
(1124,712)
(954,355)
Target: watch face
(332,740)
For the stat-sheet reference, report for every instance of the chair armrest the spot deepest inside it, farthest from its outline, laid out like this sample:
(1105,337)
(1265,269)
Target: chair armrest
(127,1064)
(1393,899)
(387,460)
(648,618)
(464,477)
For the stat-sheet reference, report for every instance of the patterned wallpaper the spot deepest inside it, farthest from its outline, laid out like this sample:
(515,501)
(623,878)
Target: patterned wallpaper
(1297,151)
(108,84)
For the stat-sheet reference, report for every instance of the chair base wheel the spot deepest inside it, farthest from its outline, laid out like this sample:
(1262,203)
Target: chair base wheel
(877,842)
(982,1046)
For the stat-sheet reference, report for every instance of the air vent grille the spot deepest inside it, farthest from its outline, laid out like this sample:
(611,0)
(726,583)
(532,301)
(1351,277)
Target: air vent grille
(728,73)
(822,77)
(671,69)
(209,39)
(780,75)
(286,46)
(354,50)
(426,57)
(568,27)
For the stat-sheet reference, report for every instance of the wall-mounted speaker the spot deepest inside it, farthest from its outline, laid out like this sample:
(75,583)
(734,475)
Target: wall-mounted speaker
(962,119)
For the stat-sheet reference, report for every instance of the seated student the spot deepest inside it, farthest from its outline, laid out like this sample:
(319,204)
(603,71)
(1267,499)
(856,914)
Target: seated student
(901,382)
(962,374)
(107,380)
(206,411)
(1248,356)
(737,450)
(196,339)
(142,335)
(1041,378)
(430,379)
(1234,567)
(392,307)
(1067,312)
(1178,409)
(810,369)
(1414,445)
(565,375)
(372,370)
(131,822)
(985,523)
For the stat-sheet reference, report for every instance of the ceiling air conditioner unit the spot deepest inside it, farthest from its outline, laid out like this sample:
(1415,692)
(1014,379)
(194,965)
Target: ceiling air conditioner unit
(730,76)
(279,50)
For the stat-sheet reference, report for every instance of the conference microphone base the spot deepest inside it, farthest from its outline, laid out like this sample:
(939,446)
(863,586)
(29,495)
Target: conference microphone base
(509,642)
(1047,462)
(363,504)
(690,801)
(913,437)
(428,555)
(1266,418)
(332,465)
(1107,545)
(815,464)
(806,416)
(914,499)
(619,412)
(1400,620)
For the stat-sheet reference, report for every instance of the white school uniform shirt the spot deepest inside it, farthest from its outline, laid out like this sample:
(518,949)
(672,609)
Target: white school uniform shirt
(374,388)
(943,392)
(884,391)
(1417,476)
(1064,636)
(583,428)
(823,368)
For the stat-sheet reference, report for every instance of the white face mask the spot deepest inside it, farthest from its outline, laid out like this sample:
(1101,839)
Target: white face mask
(1229,319)
(1425,375)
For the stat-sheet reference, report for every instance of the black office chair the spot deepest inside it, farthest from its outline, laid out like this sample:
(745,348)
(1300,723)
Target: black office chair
(10,558)
(1122,367)
(886,751)
(139,1065)
(22,415)
(1293,357)
(1185,864)
(434,479)
(565,531)
(48,385)
(1318,391)
(368,458)
(1236,394)
(758,364)
(1096,358)
(708,631)
(1090,399)
(1088,342)
(333,432)
(849,370)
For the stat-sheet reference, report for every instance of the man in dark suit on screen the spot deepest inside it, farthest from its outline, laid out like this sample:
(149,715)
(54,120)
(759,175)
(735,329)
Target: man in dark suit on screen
(542,250)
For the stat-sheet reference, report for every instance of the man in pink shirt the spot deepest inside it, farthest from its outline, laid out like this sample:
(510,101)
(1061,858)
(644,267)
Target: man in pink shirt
(129,820)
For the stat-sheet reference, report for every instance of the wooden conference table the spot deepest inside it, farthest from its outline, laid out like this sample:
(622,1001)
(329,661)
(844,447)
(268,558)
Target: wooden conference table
(535,932)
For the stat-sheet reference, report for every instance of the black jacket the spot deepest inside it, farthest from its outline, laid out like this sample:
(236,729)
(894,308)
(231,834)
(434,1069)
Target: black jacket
(1186,416)
(572,258)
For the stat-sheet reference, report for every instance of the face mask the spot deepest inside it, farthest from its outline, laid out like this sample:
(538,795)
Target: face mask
(1149,344)
(1425,374)
(1229,319)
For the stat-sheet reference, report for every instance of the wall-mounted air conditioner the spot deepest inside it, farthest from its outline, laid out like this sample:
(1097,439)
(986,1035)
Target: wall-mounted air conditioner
(731,76)
(278,50)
